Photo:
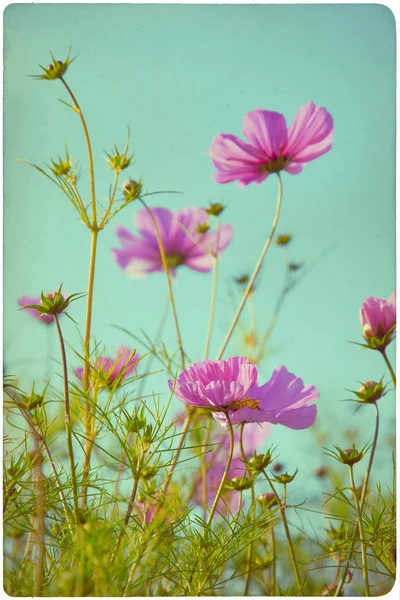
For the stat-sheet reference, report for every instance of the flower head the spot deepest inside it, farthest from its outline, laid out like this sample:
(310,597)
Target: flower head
(109,372)
(271,145)
(378,321)
(183,244)
(229,387)
(56,69)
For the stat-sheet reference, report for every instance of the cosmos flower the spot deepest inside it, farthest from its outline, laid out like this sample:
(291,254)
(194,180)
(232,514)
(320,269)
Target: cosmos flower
(229,387)
(183,244)
(106,371)
(43,318)
(378,320)
(271,145)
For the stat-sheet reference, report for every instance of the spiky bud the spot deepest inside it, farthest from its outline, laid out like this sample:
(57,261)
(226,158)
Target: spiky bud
(267,500)
(285,478)
(215,209)
(370,391)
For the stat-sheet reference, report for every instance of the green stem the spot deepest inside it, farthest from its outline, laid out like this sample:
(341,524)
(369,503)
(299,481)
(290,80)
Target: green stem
(273,551)
(203,469)
(224,476)
(212,306)
(67,419)
(339,588)
(362,535)
(287,532)
(389,366)
(253,508)
(169,283)
(185,429)
(256,270)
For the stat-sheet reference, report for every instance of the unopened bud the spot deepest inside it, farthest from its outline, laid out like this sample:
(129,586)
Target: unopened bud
(283,239)
(215,209)
(267,500)
(370,391)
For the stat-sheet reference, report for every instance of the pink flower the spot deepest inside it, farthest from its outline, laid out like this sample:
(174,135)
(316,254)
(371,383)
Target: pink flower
(107,371)
(230,387)
(378,320)
(271,146)
(26,300)
(182,243)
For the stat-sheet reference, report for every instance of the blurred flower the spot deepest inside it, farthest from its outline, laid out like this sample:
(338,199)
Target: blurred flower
(321,472)
(283,239)
(29,300)
(272,147)
(277,467)
(378,321)
(106,371)
(183,245)
(230,387)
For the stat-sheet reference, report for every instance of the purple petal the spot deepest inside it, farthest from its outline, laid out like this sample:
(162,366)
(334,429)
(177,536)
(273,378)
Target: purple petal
(266,131)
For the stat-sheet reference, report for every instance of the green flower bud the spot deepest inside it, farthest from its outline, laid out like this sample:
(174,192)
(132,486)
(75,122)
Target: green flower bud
(131,190)
(215,209)
(62,167)
(53,303)
(118,162)
(203,227)
(294,266)
(285,477)
(267,500)
(349,456)
(239,483)
(136,422)
(370,391)
(148,473)
(283,239)
(56,69)
(259,462)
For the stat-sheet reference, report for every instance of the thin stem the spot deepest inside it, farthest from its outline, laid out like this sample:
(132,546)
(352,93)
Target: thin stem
(212,305)
(90,154)
(185,429)
(287,532)
(128,513)
(273,551)
(253,507)
(104,221)
(67,420)
(362,535)
(169,283)
(58,482)
(339,588)
(203,470)
(389,366)
(224,476)
(86,364)
(256,270)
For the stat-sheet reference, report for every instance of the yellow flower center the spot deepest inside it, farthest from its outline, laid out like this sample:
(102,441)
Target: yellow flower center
(174,259)
(275,165)
(249,402)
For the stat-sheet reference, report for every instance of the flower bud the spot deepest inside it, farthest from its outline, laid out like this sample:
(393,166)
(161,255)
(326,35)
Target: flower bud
(62,167)
(239,483)
(294,266)
(148,473)
(283,239)
(370,391)
(54,303)
(215,209)
(56,69)
(259,462)
(285,477)
(131,190)
(136,422)
(349,456)
(278,467)
(203,227)
(321,472)
(118,162)
(147,437)
(267,500)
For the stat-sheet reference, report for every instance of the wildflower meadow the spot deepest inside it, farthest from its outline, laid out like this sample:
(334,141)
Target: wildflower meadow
(226,427)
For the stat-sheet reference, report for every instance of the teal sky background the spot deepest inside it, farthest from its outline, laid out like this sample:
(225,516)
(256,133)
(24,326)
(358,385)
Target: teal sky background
(178,75)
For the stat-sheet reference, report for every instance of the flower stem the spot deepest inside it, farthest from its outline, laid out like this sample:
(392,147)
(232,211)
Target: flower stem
(256,270)
(273,551)
(224,476)
(389,366)
(212,306)
(253,509)
(67,419)
(203,469)
(287,532)
(362,535)
(185,429)
(169,283)
(339,588)
(86,345)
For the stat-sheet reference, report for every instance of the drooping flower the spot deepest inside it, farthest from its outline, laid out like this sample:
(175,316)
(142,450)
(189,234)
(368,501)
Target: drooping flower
(182,241)
(378,321)
(28,300)
(271,146)
(229,387)
(107,372)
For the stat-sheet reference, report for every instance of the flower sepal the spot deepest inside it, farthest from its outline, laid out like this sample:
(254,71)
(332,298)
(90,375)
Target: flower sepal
(285,478)
(238,484)
(349,456)
(259,462)
(370,391)
(56,69)
(54,303)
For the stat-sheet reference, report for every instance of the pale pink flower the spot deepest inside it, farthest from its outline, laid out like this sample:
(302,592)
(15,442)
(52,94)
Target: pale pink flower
(271,145)
(230,387)
(378,320)
(43,318)
(106,371)
(183,244)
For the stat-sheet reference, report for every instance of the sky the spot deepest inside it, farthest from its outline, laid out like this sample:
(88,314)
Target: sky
(177,75)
